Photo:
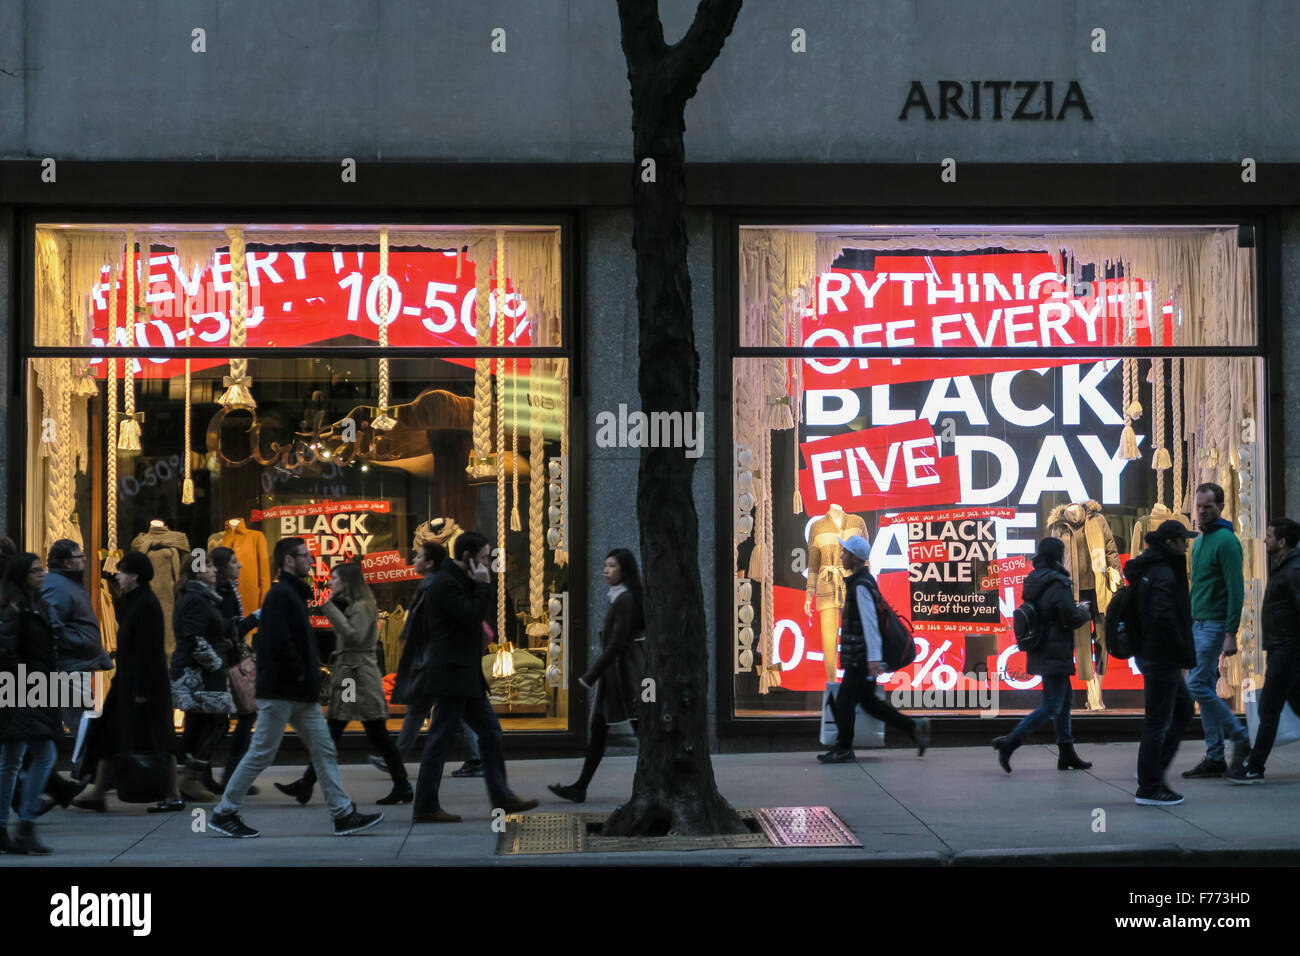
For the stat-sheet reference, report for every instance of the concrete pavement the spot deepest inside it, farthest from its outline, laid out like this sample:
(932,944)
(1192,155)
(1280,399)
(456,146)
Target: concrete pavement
(955,806)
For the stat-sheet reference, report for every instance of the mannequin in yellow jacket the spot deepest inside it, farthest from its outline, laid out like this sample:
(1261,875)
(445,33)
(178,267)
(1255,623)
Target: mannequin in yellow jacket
(826,577)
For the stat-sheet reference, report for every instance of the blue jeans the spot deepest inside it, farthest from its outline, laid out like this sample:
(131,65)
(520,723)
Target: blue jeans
(1216,716)
(1055,705)
(11,761)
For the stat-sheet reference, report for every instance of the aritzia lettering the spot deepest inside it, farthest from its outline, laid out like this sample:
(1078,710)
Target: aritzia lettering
(996,99)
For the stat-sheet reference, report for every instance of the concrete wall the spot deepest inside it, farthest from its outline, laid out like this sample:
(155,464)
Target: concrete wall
(612,358)
(1182,80)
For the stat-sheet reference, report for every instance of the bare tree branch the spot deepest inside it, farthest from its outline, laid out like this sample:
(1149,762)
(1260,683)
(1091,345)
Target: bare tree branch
(691,56)
(643,34)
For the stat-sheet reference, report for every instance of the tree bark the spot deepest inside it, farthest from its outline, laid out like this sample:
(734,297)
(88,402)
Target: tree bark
(674,790)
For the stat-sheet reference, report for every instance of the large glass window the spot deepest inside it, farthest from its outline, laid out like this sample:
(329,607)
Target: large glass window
(168,448)
(959,420)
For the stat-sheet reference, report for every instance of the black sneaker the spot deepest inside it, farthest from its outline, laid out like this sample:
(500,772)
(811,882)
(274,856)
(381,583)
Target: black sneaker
(470,768)
(1207,768)
(837,756)
(1244,774)
(229,824)
(354,821)
(1160,796)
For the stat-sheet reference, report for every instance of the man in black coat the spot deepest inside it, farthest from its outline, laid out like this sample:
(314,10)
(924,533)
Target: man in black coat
(288,692)
(1164,647)
(1280,623)
(459,598)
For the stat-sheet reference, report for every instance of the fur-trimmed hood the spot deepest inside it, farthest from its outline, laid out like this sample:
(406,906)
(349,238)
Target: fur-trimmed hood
(1091,509)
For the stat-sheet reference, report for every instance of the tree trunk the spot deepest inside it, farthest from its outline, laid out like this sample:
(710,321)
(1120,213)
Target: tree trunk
(674,790)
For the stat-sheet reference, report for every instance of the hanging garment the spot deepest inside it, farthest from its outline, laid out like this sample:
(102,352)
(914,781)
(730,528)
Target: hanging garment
(165,549)
(825,573)
(1092,562)
(391,637)
(254,562)
(443,531)
(1149,522)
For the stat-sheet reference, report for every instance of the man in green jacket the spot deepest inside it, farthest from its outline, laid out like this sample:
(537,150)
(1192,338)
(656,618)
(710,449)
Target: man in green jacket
(1217,589)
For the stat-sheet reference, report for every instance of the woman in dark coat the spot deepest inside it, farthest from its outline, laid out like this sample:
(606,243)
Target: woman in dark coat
(241,625)
(198,674)
(26,642)
(1049,590)
(138,710)
(615,676)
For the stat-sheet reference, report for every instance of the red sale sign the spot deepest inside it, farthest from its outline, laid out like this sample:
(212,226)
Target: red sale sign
(892,466)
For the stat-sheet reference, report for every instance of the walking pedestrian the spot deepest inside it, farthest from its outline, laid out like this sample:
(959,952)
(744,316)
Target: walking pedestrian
(614,678)
(26,641)
(1049,590)
(240,624)
(356,686)
(1217,591)
(288,691)
(459,597)
(138,710)
(77,638)
(1280,624)
(200,687)
(412,669)
(861,656)
(1164,646)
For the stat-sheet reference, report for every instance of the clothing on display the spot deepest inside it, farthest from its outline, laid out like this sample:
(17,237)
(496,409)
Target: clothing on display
(1158,515)
(441,531)
(255,564)
(166,549)
(525,688)
(1092,562)
(825,592)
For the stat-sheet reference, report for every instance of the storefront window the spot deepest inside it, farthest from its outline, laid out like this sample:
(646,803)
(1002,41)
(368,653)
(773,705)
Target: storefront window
(953,462)
(365,456)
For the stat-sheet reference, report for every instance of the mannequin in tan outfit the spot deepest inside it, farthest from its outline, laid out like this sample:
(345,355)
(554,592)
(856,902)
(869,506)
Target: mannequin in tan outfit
(826,577)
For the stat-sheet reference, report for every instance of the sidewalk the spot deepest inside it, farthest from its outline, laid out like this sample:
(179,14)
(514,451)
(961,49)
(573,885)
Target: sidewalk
(955,806)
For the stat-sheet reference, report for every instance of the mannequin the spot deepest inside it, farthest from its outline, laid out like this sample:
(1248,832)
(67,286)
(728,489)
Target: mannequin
(1092,562)
(255,564)
(166,549)
(826,577)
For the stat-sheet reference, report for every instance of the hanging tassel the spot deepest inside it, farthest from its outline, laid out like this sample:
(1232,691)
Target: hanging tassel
(798,502)
(1128,446)
(187,491)
(779,415)
(1161,460)
(503,665)
(84,386)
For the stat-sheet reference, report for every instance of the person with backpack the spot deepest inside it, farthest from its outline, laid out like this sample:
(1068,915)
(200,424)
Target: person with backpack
(1163,646)
(1280,627)
(1049,615)
(862,655)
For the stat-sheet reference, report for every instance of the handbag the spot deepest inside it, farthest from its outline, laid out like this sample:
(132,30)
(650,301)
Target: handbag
(1288,724)
(867,730)
(143,776)
(243,679)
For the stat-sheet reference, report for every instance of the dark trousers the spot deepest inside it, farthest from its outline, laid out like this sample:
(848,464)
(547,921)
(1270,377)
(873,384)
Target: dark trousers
(859,687)
(377,731)
(240,738)
(1281,686)
(202,733)
(448,712)
(1168,711)
(1055,706)
(596,744)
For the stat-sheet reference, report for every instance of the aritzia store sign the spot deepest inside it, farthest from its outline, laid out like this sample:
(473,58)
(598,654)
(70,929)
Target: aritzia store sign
(956,463)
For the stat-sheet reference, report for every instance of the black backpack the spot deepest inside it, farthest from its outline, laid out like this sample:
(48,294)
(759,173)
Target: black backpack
(896,645)
(1029,634)
(1124,623)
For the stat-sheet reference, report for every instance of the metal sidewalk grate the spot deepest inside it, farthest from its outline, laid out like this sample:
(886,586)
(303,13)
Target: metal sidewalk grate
(573,833)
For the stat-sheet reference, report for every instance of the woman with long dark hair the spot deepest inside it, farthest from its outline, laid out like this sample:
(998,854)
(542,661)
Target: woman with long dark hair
(198,675)
(138,709)
(26,641)
(241,625)
(614,678)
(356,686)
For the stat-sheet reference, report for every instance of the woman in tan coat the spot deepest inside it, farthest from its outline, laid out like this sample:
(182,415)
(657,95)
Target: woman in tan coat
(356,688)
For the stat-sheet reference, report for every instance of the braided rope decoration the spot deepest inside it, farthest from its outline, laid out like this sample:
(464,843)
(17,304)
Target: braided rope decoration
(480,464)
(501,440)
(779,414)
(187,480)
(514,444)
(538,625)
(238,392)
(770,675)
(128,436)
(1128,448)
(383,422)
(110,423)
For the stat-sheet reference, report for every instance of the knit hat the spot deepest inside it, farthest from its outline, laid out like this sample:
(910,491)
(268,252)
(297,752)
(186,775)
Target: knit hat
(133,562)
